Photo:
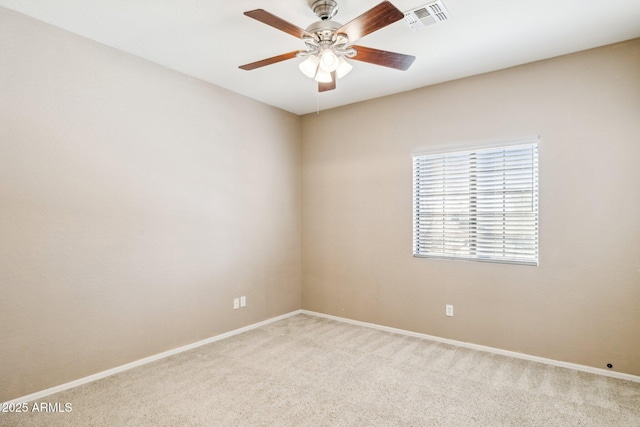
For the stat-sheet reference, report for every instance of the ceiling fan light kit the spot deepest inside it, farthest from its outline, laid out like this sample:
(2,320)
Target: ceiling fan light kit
(328,42)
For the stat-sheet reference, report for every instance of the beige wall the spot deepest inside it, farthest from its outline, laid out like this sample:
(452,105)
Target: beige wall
(135,203)
(582,304)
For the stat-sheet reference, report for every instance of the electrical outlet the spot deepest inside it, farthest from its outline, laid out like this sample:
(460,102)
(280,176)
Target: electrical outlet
(243,301)
(449,310)
(236,303)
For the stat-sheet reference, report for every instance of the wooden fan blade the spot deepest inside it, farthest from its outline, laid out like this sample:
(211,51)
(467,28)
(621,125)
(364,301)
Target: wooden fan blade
(372,20)
(323,87)
(278,23)
(269,61)
(398,61)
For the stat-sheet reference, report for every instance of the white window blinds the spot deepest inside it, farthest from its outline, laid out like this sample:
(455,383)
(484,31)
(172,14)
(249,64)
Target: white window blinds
(477,205)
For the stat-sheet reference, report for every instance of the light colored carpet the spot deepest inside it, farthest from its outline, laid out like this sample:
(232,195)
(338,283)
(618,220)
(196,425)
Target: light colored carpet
(310,371)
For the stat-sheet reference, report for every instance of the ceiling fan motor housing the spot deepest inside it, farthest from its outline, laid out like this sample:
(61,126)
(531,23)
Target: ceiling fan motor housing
(325,9)
(324,30)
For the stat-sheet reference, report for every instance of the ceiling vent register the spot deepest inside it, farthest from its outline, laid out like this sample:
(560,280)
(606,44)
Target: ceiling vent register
(426,15)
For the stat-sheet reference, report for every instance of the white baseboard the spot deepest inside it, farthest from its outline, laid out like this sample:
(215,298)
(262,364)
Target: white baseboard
(122,368)
(552,362)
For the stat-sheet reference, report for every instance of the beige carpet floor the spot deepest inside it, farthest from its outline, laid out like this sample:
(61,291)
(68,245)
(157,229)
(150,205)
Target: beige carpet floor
(310,371)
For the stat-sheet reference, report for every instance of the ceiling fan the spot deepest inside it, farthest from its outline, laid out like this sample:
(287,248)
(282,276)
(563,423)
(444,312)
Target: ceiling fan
(328,42)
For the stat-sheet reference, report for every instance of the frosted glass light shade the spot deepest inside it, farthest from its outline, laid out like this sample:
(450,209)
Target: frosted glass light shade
(343,68)
(323,76)
(329,61)
(309,66)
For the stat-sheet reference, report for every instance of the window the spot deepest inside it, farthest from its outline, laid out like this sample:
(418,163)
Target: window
(479,205)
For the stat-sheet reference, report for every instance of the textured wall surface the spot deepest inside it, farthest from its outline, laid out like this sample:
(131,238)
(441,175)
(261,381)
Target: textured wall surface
(135,204)
(582,304)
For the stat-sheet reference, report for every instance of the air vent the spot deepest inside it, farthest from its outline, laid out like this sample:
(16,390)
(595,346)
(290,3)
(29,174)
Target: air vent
(429,14)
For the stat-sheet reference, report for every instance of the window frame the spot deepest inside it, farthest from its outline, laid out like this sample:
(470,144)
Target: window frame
(471,217)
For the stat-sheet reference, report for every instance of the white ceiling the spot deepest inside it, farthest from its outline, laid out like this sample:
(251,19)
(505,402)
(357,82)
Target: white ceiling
(210,39)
